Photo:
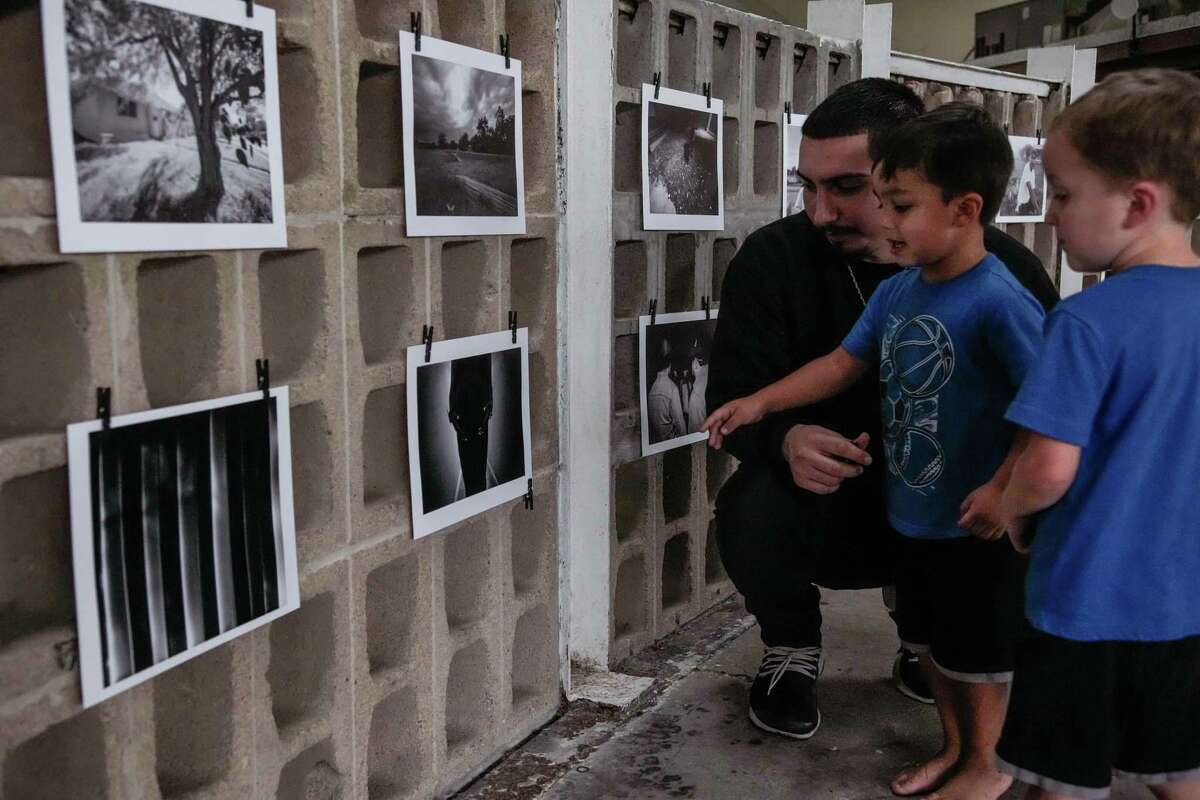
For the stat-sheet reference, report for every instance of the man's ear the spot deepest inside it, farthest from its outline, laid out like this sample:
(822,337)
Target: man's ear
(968,208)
(1145,199)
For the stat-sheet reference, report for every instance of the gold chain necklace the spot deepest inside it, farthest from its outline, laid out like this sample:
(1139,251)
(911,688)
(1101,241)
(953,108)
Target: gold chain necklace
(857,288)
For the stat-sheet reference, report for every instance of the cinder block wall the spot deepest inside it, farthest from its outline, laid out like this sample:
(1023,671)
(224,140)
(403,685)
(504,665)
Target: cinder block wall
(1024,115)
(410,665)
(665,565)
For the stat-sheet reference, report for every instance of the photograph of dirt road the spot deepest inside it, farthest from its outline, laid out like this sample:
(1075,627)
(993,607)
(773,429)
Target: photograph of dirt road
(464,150)
(168,114)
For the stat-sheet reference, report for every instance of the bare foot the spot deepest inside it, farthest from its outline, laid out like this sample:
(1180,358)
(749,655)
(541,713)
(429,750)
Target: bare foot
(924,777)
(971,782)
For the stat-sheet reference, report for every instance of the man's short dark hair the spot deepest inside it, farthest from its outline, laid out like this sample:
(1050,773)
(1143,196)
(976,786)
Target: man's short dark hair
(958,147)
(869,105)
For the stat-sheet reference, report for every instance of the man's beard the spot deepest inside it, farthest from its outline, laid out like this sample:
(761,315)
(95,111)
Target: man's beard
(864,250)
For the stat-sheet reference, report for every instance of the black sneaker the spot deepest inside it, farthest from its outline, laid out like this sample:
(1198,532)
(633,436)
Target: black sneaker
(909,678)
(783,699)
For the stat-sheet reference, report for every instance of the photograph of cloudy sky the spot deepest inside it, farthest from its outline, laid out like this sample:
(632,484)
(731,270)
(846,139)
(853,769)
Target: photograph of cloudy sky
(464,123)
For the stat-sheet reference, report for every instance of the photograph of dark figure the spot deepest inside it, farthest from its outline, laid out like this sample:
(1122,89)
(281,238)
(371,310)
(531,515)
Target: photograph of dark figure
(468,418)
(1025,196)
(674,379)
(190,531)
(682,160)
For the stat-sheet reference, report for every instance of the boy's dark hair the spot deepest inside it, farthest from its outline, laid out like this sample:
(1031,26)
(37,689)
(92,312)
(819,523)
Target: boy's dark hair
(870,105)
(958,148)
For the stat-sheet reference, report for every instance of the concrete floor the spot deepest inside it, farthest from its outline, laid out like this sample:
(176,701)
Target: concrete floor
(692,739)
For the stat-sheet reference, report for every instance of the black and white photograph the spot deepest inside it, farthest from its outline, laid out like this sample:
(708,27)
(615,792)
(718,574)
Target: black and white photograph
(1025,197)
(673,362)
(793,189)
(468,427)
(682,172)
(463,156)
(182,531)
(164,118)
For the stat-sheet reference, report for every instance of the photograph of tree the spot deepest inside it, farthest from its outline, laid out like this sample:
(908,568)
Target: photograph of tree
(464,144)
(168,115)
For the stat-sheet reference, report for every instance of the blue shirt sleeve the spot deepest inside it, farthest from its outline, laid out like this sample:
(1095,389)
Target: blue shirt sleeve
(862,341)
(1063,391)
(1014,333)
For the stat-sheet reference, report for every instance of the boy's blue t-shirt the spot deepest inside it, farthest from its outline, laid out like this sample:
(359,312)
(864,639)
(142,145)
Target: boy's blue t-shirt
(951,356)
(1118,557)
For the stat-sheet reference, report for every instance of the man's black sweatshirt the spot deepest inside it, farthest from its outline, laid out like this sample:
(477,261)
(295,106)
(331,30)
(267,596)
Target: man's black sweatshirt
(789,297)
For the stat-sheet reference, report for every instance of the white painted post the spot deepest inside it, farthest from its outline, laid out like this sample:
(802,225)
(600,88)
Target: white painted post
(842,19)
(1078,69)
(585,327)
(877,41)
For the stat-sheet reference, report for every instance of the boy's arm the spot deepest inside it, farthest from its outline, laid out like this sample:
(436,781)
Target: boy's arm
(1043,473)
(980,512)
(817,380)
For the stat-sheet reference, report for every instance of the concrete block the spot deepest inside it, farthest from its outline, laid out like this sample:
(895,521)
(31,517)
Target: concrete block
(631,491)
(682,52)
(731,155)
(768,69)
(676,577)
(937,95)
(538,136)
(627,143)
(635,44)
(533,285)
(806,63)
(625,374)
(36,581)
(1026,115)
(295,309)
(470,702)
(391,294)
(727,63)
(378,113)
(718,466)
(467,564)
(470,288)
(44,326)
(200,753)
(397,755)
(677,483)
(767,148)
(535,659)
(544,407)
(679,285)
(38,770)
(300,676)
(391,593)
(611,689)
(843,69)
(467,22)
(385,448)
(630,612)
(714,570)
(723,251)
(381,19)
(533,546)
(629,279)
(312,472)
(969,94)
(314,774)
(26,135)
(531,26)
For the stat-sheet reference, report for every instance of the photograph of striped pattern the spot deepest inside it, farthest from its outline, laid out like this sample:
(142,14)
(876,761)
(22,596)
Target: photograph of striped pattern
(188,538)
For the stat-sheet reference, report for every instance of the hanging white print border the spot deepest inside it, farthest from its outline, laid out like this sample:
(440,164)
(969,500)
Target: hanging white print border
(183,533)
(464,166)
(673,377)
(793,189)
(468,426)
(683,178)
(164,125)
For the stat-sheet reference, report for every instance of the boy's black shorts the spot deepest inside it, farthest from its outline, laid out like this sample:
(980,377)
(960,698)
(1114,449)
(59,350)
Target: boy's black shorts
(963,601)
(1080,711)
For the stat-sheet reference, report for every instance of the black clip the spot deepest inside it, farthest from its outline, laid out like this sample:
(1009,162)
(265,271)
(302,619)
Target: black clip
(262,368)
(653,310)
(512,325)
(708,95)
(104,406)
(427,340)
(504,51)
(657,83)
(704,305)
(1039,135)
(787,109)
(249,8)
(414,18)
(529,494)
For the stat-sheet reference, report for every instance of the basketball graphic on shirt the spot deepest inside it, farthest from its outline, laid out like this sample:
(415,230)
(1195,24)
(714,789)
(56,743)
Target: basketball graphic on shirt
(916,457)
(922,356)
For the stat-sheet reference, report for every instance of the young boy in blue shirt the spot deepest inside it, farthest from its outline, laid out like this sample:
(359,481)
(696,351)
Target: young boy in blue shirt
(953,340)
(1109,678)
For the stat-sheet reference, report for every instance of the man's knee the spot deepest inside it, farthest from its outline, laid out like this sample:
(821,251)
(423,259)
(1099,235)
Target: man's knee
(759,525)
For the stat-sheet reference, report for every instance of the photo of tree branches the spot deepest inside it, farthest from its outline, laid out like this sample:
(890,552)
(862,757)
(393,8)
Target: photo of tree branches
(464,137)
(168,112)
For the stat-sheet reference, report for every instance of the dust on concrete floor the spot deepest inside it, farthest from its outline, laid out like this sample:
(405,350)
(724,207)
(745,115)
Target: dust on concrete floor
(691,737)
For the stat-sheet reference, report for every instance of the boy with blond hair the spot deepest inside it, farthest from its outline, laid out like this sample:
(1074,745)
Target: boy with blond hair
(1108,680)
(953,340)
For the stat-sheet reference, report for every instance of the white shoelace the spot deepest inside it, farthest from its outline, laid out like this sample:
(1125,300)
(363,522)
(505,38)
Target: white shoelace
(779,660)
